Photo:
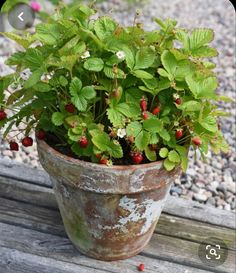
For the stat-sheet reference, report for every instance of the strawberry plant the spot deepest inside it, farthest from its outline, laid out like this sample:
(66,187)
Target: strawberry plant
(111,94)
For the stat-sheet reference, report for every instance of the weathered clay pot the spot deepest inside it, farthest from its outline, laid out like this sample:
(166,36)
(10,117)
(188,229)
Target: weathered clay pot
(109,213)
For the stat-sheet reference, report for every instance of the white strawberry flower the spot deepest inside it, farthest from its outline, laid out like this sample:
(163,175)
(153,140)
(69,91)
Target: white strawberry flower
(121,133)
(25,74)
(120,55)
(176,96)
(85,55)
(47,76)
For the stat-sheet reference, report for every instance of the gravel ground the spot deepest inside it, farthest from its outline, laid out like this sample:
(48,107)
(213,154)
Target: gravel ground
(214,183)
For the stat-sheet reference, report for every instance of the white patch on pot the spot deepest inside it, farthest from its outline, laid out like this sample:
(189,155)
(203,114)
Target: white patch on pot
(149,211)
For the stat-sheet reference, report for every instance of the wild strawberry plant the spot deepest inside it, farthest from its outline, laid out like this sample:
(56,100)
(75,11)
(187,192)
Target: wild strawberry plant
(112,94)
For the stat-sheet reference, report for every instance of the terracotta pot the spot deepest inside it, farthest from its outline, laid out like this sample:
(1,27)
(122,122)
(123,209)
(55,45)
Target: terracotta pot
(109,213)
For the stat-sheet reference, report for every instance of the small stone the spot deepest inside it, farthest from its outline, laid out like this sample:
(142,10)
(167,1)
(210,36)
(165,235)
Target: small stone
(176,190)
(195,188)
(227,207)
(200,197)
(211,201)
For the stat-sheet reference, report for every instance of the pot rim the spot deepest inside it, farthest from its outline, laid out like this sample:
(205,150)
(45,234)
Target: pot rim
(46,146)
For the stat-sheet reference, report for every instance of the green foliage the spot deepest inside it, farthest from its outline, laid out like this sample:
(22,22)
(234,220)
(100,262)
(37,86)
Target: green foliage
(87,78)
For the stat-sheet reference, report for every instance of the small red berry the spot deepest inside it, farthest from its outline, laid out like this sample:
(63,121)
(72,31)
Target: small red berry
(27,141)
(98,156)
(141,267)
(83,142)
(14,146)
(41,134)
(197,141)
(3,115)
(145,115)
(70,108)
(178,101)
(143,104)
(156,110)
(137,158)
(103,161)
(179,133)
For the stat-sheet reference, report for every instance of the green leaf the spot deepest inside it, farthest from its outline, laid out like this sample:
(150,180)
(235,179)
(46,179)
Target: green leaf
(163,73)
(25,42)
(169,62)
(210,124)
(142,74)
(163,152)
(129,110)
(144,58)
(169,165)
(202,88)
(173,156)
(88,92)
(75,86)
(133,129)
(183,37)
(204,51)
(33,59)
(42,87)
(142,140)
(94,64)
(115,117)
(116,149)
(57,118)
(105,27)
(110,74)
(190,106)
(183,152)
(164,134)
(151,155)
(48,34)
(153,125)
(15,59)
(154,138)
(63,81)
(200,37)
(34,78)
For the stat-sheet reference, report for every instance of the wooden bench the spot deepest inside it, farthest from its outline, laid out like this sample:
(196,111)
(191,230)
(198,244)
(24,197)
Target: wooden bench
(32,237)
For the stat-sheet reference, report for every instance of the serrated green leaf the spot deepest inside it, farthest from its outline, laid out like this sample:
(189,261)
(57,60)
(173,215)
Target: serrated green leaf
(142,140)
(183,37)
(144,58)
(154,138)
(164,134)
(57,118)
(190,106)
(202,88)
(142,74)
(209,123)
(153,125)
(133,129)
(200,37)
(25,42)
(115,117)
(163,153)
(105,27)
(204,51)
(33,59)
(116,149)
(129,110)
(110,74)
(169,62)
(34,78)
(94,64)
(169,165)
(150,154)
(48,34)
(88,92)
(173,156)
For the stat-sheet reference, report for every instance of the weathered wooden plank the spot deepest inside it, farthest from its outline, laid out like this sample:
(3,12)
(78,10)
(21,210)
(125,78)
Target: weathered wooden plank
(192,210)
(14,261)
(60,249)
(33,194)
(24,172)
(47,220)
(193,230)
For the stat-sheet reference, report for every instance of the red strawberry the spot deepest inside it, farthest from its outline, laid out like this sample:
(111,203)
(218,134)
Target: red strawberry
(83,142)
(137,157)
(14,146)
(104,161)
(141,267)
(145,115)
(70,108)
(156,110)
(3,115)
(27,141)
(41,134)
(197,141)
(179,133)
(178,101)
(98,156)
(143,104)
